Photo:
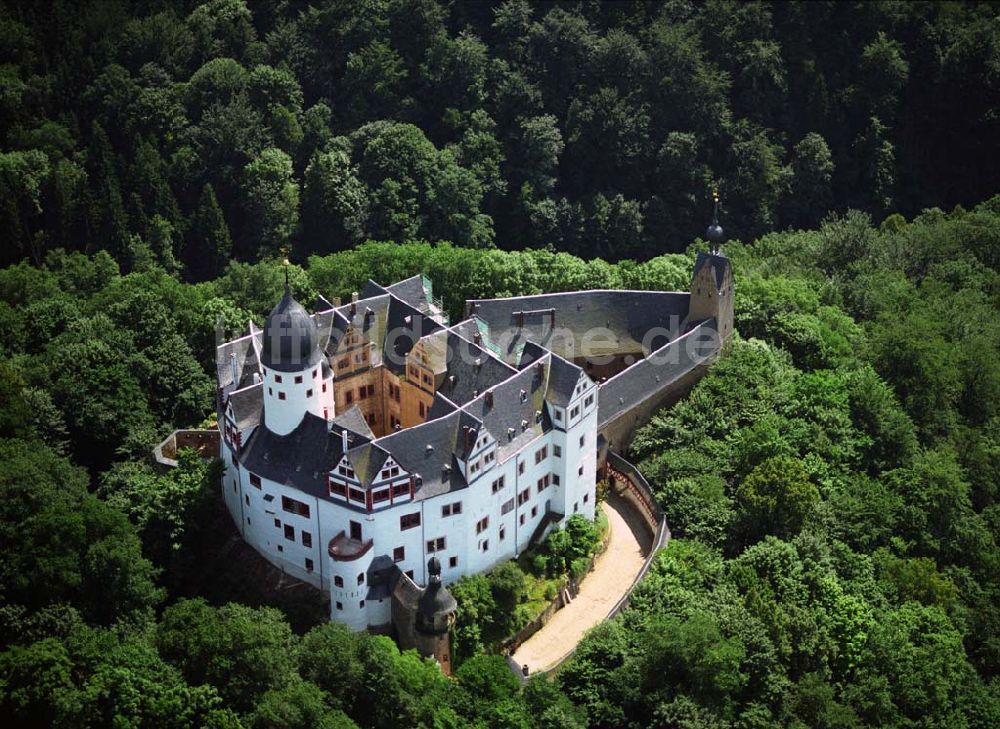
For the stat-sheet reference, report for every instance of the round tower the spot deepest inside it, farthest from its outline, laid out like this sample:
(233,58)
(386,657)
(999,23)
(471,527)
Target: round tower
(297,378)
(435,615)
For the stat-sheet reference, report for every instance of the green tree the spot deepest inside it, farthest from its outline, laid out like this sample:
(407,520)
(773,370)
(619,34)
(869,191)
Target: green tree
(775,498)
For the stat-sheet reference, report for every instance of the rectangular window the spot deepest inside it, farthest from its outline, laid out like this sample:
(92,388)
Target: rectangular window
(380,496)
(343,363)
(401,489)
(523,496)
(503,533)
(362,393)
(408,521)
(371,390)
(507,507)
(579,471)
(307,539)
(357,495)
(324,387)
(255,480)
(298,379)
(583,439)
(534,511)
(451,509)
(541,453)
(588,401)
(277,523)
(309,565)
(522,519)
(294,507)
(482,525)
(348,396)
(338,488)
(338,581)
(555,479)
(435,545)
(340,605)
(543,482)
(557,451)
(520,468)
(586,498)
(574,412)
(277,378)
(361,578)
(289,532)
(281,396)
(498,484)
(486,545)
(309,393)
(399,554)
(453,561)
(422,410)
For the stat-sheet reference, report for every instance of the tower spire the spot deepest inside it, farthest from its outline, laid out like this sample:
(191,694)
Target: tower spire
(715,234)
(287,287)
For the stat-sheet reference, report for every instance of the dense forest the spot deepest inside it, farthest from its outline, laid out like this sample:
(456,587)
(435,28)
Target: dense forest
(833,484)
(192,133)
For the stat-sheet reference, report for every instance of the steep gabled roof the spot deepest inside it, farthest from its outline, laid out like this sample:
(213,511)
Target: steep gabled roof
(464,379)
(366,459)
(511,410)
(301,459)
(354,420)
(719,264)
(247,405)
(563,377)
(426,449)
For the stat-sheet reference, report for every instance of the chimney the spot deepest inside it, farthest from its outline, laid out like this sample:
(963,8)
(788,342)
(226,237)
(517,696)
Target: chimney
(553,314)
(343,439)
(354,297)
(489,398)
(470,435)
(477,338)
(520,320)
(354,307)
(232,361)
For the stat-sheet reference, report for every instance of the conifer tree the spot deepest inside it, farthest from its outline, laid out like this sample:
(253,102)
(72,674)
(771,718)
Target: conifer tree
(208,241)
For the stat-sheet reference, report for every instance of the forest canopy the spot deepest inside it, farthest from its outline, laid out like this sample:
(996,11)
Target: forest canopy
(187,133)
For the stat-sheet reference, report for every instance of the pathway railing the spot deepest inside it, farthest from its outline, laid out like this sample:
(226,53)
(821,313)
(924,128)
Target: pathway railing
(631,480)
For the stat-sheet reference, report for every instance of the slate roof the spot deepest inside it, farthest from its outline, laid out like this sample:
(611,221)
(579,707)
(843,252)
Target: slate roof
(426,449)
(247,405)
(246,349)
(629,315)
(719,264)
(301,459)
(651,375)
(563,377)
(463,378)
(354,420)
(366,458)
(510,411)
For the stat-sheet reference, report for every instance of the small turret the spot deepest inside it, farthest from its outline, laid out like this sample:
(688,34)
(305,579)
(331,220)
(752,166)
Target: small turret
(715,235)
(712,283)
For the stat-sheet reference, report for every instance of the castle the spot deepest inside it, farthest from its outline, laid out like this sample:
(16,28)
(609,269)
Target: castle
(379,453)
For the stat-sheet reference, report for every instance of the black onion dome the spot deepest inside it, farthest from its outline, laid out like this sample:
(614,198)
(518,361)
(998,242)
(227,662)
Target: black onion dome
(714,233)
(436,600)
(291,339)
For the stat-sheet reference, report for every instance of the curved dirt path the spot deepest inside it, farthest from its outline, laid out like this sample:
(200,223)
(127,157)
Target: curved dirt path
(613,573)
